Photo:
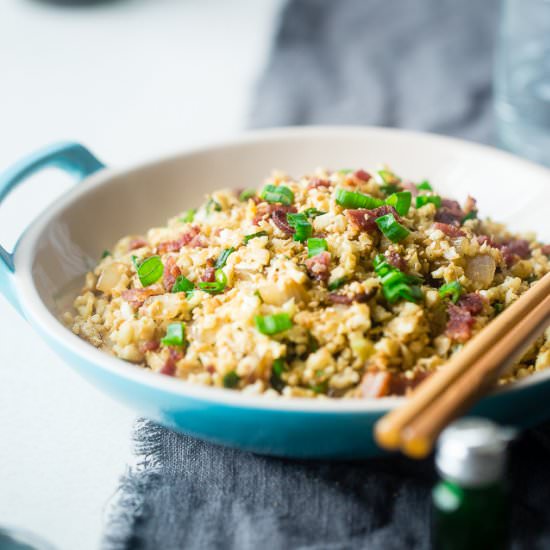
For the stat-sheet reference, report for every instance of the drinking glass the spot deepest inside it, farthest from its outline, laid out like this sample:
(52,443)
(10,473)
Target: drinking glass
(522,79)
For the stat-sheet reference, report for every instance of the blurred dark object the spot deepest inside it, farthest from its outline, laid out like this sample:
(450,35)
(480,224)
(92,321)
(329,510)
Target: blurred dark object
(422,65)
(78,2)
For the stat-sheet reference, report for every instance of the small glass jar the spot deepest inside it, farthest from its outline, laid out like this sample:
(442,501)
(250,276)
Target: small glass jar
(470,503)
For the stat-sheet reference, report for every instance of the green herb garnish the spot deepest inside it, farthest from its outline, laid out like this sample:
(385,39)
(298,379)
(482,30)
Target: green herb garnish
(401,201)
(188,216)
(254,235)
(424,186)
(105,254)
(337,283)
(313,212)
(217,286)
(471,215)
(277,369)
(395,283)
(303,229)
(175,335)
(273,324)
(222,259)
(150,270)
(392,228)
(183,284)
(352,199)
(421,200)
(231,379)
(452,289)
(213,205)
(273,193)
(316,246)
(247,194)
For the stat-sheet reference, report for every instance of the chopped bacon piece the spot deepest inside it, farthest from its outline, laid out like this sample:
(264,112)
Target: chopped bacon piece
(136,296)
(449,230)
(209,275)
(366,219)
(210,368)
(460,323)
(169,367)
(318,267)
(401,384)
(278,215)
(472,303)
(485,239)
(395,259)
(150,345)
(171,273)
(362,175)
(449,212)
(346,299)
(336,298)
(461,316)
(515,249)
(136,243)
(410,186)
(375,384)
(265,210)
(315,183)
(191,237)
(545,249)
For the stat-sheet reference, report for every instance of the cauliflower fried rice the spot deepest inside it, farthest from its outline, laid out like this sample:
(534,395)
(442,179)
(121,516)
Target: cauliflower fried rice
(338,284)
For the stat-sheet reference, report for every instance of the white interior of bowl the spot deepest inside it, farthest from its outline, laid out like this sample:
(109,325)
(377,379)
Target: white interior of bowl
(66,241)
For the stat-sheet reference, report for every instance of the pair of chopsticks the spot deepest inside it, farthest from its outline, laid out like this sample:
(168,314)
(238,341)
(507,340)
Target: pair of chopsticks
(468,375)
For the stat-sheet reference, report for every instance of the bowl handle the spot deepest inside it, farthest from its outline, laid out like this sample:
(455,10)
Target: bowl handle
(68,156)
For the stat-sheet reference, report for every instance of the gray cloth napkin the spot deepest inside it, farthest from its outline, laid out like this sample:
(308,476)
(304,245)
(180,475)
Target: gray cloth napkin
(423,64)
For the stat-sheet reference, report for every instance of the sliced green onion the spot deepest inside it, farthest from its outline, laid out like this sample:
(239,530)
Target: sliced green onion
(313,212)
(395,283)
(277,369)
(254,235)
(392,228)
(182,284)
(453,290)
(337,283)
(472,215)
(421,200)
(303,229)
(352,199)
(189,216)
(222,259)
(231,379)
(322,387)
(390,182)
(105,254)
(345,171)
(424,186)
(498,307)
(175,335)
(216,286)
(150,270)
(213,205)
(274,193)
(247,194)
(401,201)
(273,324)
(316,246)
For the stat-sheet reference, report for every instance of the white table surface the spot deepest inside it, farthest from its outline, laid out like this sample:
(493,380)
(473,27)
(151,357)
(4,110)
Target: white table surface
(131,80)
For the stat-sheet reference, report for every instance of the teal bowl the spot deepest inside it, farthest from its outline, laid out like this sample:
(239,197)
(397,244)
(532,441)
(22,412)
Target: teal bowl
(42,275)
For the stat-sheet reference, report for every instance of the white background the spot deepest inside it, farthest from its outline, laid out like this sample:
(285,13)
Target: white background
(130,79)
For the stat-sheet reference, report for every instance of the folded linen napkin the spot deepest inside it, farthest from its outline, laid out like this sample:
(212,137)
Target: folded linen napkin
(423,65)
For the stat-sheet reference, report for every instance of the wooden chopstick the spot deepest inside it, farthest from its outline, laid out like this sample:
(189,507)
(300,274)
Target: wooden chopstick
(389,430)
(419,436)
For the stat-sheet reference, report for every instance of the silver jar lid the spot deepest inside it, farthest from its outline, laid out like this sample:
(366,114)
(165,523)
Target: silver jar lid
(472,452)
